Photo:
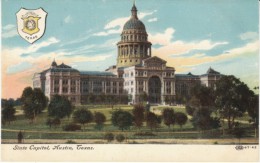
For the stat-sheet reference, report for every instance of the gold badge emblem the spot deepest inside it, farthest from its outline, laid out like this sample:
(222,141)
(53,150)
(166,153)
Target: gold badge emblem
(31,24)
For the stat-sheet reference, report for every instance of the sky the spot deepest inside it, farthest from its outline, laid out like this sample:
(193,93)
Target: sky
(190,35)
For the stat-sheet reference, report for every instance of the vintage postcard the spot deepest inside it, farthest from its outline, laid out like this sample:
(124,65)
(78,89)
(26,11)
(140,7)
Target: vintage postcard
(130,80)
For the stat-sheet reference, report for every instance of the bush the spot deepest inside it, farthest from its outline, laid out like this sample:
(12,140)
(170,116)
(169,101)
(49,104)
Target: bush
(109,137)
(120,138)
(71,127)
(71,142)
(53,122)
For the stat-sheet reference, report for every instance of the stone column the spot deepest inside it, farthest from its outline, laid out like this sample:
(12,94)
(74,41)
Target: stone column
(60,84)
(150,51)
(162,92)
(139,50)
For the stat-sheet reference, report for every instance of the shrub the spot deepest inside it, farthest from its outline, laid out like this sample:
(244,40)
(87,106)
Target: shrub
(120,138)
(109,137)
(71,142)
(72,127)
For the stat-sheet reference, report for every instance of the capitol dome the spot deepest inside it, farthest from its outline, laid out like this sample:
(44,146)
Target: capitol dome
(134,46)
(134,23)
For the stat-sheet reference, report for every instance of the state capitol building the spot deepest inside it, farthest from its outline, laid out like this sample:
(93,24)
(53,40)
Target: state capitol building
(136,73)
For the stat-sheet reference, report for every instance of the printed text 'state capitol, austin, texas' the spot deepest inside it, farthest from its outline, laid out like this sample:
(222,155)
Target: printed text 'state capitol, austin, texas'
(137,72)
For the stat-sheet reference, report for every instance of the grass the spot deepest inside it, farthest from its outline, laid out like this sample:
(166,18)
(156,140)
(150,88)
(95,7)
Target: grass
(39,130)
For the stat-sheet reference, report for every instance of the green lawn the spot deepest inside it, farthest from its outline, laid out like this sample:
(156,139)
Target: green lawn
(38,130)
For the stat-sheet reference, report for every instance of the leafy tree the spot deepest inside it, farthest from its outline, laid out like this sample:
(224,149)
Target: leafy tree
(138,113)
(8,112)
(109,137)
(82,116)
(190,110)
(152,120)
(147,107)
(233,98)
(91,98)
(53,122)
(33,102)
(99,119)
(143,97)
(238,132)
(180,118)
(201,120)
(168,117)
(122,119)
(120,138)
(49,122)
(124,99)
(60,107)
(253,109)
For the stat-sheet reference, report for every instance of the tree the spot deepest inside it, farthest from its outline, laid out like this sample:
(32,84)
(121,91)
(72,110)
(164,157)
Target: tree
(60,107)
(109,137)
(152,120)
(168,117)
(122,119)
(53,122)
(120,138)
(138,113)
(33,102)
(8,112)
(232,98)
(82,116)
(180,118)
(99,119)
(190,110)
(202,120)
(238,132)
(143,97)
(253,111)
(91,98)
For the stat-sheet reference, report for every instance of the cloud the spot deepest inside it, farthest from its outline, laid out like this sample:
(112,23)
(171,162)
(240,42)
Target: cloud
(8,27)
(187,63)
(249,36)
(145,14)
(68,19)
(9,31)
(179,47)
(152,20)
(13,56)
(18,69)
(162,38)
(116,26)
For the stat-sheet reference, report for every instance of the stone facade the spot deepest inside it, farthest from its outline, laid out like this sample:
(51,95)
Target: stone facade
(137,74)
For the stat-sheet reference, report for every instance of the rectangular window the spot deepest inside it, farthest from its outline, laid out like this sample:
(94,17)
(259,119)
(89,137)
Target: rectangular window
(73,90)
(56,81)
(64,82)
(64,90)
(73,82)
(56,89)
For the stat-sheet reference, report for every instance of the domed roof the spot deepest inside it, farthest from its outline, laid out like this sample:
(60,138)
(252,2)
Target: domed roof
(134,22)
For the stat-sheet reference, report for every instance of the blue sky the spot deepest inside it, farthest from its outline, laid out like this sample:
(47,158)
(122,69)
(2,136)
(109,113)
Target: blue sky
(191,35)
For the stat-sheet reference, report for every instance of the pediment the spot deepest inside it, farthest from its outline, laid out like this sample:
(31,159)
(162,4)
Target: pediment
(154,62)
(154,59)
